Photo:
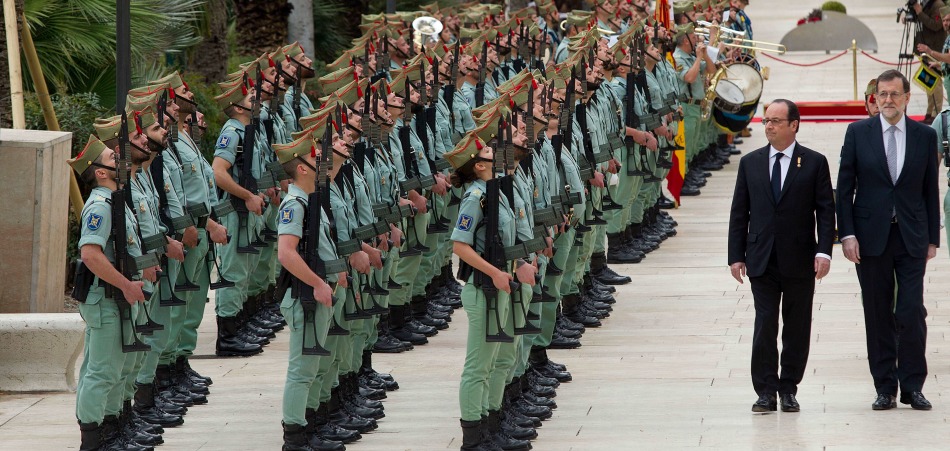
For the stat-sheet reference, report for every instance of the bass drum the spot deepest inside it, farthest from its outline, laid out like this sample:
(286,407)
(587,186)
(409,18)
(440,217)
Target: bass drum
(733,112)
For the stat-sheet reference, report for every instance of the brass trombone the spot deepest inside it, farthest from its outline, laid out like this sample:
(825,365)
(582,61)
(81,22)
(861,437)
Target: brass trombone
(742,43)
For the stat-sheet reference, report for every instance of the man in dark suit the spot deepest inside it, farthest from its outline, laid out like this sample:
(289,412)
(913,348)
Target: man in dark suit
(888,214)
(783,196)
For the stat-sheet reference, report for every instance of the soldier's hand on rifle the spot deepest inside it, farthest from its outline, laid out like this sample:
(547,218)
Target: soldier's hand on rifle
(175,250)
(663,131)
(341,280)
(375,256)
(360,262)
(526,273)
(272,195)
(395,234)
(255,204)
(217,232)
(549,249)
(189,237)
(613,166)
(418,201)
(132,291)
(501,279)
(383,242)
(441,186)
(598,180)
(323,294)
(151,273)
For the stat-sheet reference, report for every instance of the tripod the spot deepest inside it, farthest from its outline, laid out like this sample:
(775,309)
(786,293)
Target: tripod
(905,58)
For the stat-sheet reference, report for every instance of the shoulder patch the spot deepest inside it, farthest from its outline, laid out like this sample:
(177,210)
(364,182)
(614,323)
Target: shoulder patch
(223,141)
(465,223)
(94,221)
(286,215)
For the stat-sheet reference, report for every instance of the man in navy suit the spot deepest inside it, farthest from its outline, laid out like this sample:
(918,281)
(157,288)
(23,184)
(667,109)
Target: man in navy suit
(888,216)
(783,197)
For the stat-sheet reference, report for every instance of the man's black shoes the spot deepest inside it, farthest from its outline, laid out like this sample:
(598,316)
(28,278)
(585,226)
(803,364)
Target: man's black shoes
(765,403)
(916,400)
(789,403)
(885,402)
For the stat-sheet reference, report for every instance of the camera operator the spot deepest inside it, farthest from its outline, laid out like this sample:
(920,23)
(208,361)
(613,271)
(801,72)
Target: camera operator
(941,59)
(931,34)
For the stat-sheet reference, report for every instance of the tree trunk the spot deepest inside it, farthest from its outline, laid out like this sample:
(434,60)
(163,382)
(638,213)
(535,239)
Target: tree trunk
(261,25)
(210,57)
(6,111)
(300,26)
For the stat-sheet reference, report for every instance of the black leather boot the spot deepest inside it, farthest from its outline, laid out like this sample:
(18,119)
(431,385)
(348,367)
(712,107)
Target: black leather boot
(229,344)
(421,314)
(600,270)
(132,430)
(385,342)
(167,379)
(616,253)
(116,439)
(399,326)
(319,426)
(192,373)
(180,373)
(345,419)
(500,437)
(471,436)
(295,438)
(538,362)
(91,436)
(147,411)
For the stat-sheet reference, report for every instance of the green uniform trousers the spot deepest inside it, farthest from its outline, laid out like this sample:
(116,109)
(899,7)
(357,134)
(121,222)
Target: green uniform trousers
(103,358)
(481,381)
(198,268)
(408,267)
(302,386)
(263,274)
(235,266)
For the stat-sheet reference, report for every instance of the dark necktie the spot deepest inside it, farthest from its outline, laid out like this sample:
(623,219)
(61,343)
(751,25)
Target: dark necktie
(777,176)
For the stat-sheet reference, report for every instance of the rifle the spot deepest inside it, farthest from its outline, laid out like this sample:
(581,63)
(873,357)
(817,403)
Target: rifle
(413,181)
(632,120)
(652,120)
(125,264)
(480,86)
(318,204)
(449,92)
(246,152)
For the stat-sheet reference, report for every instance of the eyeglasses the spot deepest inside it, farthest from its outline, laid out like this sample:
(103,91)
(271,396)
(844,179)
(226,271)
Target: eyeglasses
(767,121)
(893,95)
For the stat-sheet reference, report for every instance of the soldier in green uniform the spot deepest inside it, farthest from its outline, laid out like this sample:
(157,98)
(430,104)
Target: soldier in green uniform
(409,257)
(472,160)
(103,358)
(197,180)
(693,64)
(302,426)
(236,262)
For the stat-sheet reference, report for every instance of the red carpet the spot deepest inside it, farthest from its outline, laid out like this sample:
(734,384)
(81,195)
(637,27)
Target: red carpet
(832,111)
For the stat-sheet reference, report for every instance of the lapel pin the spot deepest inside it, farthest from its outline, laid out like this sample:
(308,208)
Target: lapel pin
(799,161)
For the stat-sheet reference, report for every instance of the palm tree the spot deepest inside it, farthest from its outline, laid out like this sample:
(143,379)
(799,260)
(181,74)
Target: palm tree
(75,40)
(261,25)
(210,56)
(6,115)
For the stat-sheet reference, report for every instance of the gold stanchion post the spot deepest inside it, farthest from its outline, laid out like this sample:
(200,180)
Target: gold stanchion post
(854,66)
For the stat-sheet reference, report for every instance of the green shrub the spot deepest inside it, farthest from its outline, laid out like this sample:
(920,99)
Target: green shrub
(834,6)
(75,113)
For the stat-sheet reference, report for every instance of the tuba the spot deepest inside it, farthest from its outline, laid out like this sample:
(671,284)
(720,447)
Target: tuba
(426,30)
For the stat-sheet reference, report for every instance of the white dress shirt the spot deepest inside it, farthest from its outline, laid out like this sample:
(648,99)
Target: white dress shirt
(784,163)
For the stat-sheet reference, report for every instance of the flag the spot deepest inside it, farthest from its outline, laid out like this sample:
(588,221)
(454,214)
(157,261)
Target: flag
(677,175)
(664,13)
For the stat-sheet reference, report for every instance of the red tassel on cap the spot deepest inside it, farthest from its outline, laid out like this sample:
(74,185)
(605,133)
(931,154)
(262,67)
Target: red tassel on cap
(335,126)
(270,62)
(138,121)
(243,89)
(183,83)
(344,120)
(389,90)
(313,151)
(445,48)
(478,144)
(171,93)
(534,83)
(359,91)
(429,59)
(250,82)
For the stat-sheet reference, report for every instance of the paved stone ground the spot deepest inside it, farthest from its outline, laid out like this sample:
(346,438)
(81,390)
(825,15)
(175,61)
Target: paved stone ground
(670,367)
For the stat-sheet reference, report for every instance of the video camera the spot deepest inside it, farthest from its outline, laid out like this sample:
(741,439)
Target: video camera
(907,11)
